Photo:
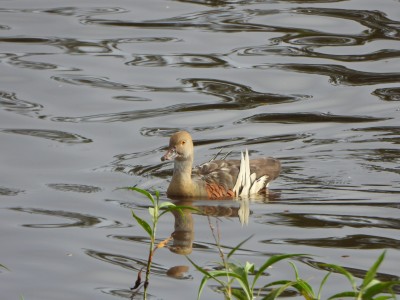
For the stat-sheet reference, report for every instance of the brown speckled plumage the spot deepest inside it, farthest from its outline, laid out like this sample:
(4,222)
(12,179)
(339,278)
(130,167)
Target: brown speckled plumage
(212,180)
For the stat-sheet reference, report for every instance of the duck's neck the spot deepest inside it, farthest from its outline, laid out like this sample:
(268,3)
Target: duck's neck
(181,183)
(183,170)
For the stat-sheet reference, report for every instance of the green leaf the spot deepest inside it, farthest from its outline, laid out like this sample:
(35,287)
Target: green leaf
(166,204)
(278,282)
(343,294)
(143,223)
(303,287)
(272,260)
(153,214)
(372,271)
(385,297)
(207,276)
(344,272)
(239,278)
(322,284)
(378,287)
(238,246)
(239,294)
(276,292)
(144,192)
(241,275)
(4,267)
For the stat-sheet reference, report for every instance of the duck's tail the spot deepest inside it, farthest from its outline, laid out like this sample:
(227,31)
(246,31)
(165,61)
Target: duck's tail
(246,183)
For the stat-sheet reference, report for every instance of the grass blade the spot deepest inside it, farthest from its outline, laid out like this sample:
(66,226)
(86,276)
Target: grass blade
(372,271)
(276,292)
(344,272)
(344,294)
(272,260)
(238,246)
(4,267)
(378,288)
(322,284)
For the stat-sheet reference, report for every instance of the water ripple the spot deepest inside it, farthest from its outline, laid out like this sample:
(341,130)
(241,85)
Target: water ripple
(77,219)
(77,46)
(242,96)
(263,50)
(98,82)
(79,188)
(379,24)
(388,94)
(358,241)
(67,11)
(10,102)
(235,97)
(125,261)
(4,191)
(182,60)
(333,221)
(339,74)
(298,118)
(22,62)
(54,135)
(215,20)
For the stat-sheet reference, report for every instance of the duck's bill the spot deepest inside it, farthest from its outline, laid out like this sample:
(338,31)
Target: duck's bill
(169,155)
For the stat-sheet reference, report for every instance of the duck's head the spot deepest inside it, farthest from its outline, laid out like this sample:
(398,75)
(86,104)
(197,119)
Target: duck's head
(180,147)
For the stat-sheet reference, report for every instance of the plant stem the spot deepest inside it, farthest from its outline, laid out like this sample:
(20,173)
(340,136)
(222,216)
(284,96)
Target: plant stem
(150,259)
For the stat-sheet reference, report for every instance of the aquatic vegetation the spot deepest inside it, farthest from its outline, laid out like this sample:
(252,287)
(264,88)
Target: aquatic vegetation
(156,211)
(239,280)
(4,267)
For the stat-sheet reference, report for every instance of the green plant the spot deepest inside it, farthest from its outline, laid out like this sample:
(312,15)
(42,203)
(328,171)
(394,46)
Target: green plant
(4,267)
(299,284)
(236,272)
(247,277)
(156,211)
(370,288)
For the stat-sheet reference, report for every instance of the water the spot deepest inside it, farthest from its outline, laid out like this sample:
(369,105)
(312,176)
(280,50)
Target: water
(90,93)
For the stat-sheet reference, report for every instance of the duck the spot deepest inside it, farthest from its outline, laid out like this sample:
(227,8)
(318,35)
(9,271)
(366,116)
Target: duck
(216,179)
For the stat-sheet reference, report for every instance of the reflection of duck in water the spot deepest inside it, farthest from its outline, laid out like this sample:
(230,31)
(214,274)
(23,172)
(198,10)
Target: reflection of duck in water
(184,224)
(217,178)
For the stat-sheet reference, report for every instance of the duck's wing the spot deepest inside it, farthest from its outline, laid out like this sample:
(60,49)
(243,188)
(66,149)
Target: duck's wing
(218,172)
(224,177)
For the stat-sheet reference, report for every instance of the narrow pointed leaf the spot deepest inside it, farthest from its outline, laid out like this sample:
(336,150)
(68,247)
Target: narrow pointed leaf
(144,192)
(343,294)
(303,287)
(385,297)
(378,288)
(322,284)
(276,292)
(344,272)
(239,294)
(272,260)
(4,267)
(153,214)
(372,271)
(238,246)
(166,204)
(143,223)
(206,274)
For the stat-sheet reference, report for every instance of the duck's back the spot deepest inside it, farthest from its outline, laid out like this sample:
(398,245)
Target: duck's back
(220,176)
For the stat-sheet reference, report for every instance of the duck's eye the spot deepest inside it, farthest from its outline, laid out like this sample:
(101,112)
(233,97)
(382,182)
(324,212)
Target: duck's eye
(183,143)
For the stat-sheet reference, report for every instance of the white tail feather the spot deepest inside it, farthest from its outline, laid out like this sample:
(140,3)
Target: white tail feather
(239,181)
(246,176)
(247,184)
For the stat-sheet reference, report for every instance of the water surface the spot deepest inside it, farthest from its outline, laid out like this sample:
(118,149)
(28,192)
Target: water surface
(90,93)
